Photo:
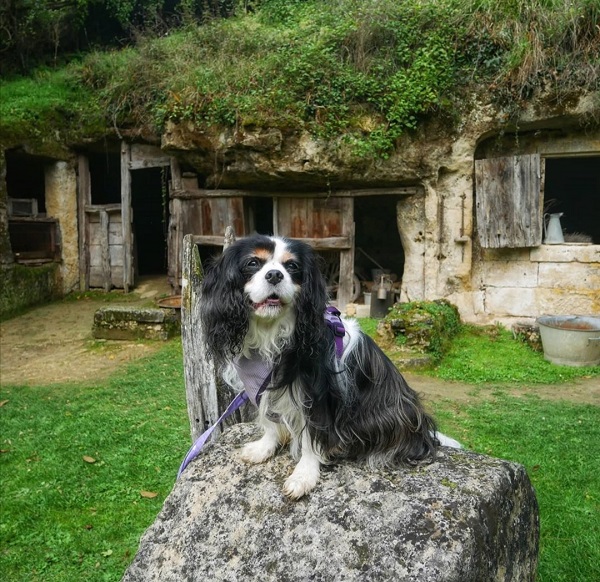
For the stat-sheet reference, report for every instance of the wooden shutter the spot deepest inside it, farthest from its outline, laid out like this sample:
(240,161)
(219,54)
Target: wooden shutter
(509,201)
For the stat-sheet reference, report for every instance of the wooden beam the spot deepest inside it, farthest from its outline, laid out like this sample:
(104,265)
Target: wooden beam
(332,243)
(220,193)
(92,208)
(126,216)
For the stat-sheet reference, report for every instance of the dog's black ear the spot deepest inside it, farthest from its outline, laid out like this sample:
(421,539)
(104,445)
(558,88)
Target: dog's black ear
(312,300)
(223,306)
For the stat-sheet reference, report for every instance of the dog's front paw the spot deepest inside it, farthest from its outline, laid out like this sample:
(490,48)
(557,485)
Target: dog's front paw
(258,451)
(300,482)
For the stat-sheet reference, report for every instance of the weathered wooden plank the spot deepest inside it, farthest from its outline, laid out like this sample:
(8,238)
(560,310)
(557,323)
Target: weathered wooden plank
(220,193)
(92,209)
(126,213)
(208,218)
(206,397)
(115,233)
(174,244)
(97,279)
(335,243)
(176,182)
(509,201)
(104,253)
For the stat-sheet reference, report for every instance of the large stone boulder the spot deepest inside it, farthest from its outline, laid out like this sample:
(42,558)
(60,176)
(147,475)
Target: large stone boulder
(463,518)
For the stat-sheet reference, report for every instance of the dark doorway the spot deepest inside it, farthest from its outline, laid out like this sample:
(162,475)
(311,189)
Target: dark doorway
(572,187)
(377,237)
(259,215)
(150,219)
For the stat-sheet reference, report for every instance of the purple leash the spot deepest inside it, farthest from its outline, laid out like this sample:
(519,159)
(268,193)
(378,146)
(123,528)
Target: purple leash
(240,399)
(253,371)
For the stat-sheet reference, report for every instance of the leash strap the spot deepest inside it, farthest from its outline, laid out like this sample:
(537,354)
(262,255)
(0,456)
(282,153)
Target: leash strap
(332,318)
(240,399)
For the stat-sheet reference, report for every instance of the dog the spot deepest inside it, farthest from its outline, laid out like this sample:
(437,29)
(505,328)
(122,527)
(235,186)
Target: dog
(263,317)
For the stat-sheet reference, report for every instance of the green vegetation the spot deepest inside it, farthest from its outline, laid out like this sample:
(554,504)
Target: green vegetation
(23,287)
(85,468)
(359,73)
(480,355)
(557,444)
(50,108)
(426,326)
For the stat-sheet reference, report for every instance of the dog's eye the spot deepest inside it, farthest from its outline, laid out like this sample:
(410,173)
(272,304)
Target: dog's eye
(252,263)
(292,266)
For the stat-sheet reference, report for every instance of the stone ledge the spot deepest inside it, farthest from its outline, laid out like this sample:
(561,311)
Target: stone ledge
(466,517)
(131,323)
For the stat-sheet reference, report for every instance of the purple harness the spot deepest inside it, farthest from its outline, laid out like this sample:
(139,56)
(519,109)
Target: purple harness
(255,374)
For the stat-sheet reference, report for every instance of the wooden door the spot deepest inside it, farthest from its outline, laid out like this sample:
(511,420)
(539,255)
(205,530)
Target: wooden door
(205,217)
(327,224)
(104,243)
(101,250)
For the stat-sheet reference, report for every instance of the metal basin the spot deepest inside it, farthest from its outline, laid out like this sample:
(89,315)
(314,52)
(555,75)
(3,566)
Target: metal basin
(570,340)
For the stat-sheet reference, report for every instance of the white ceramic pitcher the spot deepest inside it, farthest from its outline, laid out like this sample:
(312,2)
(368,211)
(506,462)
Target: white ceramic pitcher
(553,234)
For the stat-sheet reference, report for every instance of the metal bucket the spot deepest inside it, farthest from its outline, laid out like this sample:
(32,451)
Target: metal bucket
(570,340)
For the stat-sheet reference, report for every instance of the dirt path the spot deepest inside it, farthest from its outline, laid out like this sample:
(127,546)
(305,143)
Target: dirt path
(54,344)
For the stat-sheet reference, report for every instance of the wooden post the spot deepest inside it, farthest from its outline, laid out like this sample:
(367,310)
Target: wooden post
(207,397)
(126,216)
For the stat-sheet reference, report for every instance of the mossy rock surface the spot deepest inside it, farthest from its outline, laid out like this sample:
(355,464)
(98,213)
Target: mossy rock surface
(131,323)
(24,286)
(420,327)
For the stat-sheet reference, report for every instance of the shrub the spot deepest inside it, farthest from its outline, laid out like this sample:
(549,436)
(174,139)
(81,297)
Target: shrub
(426,326)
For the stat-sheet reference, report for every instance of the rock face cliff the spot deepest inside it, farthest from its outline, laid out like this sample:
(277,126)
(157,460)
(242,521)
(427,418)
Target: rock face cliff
(464,517)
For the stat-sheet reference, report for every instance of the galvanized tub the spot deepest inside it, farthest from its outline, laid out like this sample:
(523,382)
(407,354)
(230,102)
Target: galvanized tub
(570,340)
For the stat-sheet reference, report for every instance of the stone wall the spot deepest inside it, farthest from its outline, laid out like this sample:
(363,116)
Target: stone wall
(61,203)
(22,287)
(520,284)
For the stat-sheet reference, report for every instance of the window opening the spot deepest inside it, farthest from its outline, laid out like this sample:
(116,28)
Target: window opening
(572,187)
(105,177)
(260,214)
(25,181)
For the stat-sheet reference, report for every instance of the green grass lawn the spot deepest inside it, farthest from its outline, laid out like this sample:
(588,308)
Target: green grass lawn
(75,461)
(80,464)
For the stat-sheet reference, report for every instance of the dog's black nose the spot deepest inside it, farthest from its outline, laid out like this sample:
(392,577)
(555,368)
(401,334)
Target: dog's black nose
(274,276)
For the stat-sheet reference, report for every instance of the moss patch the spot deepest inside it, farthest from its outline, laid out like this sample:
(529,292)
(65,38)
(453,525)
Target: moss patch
(421,327)
(23,287)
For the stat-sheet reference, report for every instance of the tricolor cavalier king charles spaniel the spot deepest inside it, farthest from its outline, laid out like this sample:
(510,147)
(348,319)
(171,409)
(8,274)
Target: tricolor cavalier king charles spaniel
(263,305)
